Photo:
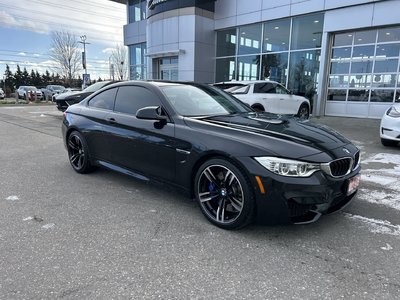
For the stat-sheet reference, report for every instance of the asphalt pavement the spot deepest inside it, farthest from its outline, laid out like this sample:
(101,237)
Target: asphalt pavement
(108,236)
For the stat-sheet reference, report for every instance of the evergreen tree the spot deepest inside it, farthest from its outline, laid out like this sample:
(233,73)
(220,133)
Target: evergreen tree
(26,79)
(18,77)
(10,81)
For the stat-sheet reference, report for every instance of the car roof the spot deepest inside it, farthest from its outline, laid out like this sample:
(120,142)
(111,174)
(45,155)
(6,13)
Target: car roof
(246,81)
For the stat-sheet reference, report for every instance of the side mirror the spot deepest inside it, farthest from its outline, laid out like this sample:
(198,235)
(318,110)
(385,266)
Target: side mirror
(151,113)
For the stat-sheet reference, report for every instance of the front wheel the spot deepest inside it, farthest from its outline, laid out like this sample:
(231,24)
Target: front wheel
(78,153)
(304,112)
(224,194)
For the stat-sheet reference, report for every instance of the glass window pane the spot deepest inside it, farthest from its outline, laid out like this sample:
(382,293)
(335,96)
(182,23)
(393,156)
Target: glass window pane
(226,42)
(388,50)
(382,95)
(337,81)
(389,35)
(276,36)
(274,67)
(363,52)
(397,97)
(225,69)
(360,95)
(250,39)
(104,100)
(359,81)
(336,95)
(307,31)
(384,80)
(340,68)
(341,54)
(131,98)
(387,65)
(365,37)
(248,67)
(303,72)
(361,67)
(343,39)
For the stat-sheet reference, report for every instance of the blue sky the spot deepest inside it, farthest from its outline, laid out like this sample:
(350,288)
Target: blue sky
(26,26)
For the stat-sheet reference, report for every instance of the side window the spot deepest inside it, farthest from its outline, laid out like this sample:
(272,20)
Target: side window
(104,100)
(131,98)
(267,87)
(281,90)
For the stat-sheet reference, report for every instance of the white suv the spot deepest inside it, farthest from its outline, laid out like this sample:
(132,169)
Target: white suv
(269,96)
(1,94)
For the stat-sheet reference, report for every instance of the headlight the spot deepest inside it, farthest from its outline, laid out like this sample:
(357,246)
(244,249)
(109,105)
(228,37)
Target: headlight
(393,112)
(288,167)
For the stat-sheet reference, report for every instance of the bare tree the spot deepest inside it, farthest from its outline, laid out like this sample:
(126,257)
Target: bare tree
(66,54)
(119,60)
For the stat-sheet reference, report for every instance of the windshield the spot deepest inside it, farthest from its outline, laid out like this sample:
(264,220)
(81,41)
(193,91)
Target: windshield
(197,101)
(58,87)
(30,88)
(96,86)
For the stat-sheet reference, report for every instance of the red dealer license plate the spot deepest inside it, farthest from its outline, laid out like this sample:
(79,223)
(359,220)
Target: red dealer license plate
(353,184)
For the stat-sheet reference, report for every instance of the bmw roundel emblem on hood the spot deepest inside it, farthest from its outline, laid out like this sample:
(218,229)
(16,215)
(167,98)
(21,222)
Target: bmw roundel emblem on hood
(345,150)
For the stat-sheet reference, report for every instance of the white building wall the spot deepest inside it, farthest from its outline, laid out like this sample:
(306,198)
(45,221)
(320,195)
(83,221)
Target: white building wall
(187,33)
(230,13)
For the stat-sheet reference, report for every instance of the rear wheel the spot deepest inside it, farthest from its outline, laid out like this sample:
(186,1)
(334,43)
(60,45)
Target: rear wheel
(224,194)
(388,143)
(78,153)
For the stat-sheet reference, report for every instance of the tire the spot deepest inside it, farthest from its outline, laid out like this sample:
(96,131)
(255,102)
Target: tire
(388,143)
(224,194)
(304,112)
(78,153)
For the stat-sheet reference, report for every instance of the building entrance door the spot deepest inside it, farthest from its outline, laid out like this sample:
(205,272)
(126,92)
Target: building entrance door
(168,68)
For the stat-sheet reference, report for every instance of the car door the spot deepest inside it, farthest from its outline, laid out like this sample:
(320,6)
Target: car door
(289,103)
(265,93)
(99,106)
(146,146)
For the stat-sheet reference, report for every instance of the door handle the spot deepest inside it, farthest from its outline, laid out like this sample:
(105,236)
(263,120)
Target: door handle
(111,120)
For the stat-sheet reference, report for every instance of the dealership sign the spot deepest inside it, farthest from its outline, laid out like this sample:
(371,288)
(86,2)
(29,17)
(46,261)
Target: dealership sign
(153,3)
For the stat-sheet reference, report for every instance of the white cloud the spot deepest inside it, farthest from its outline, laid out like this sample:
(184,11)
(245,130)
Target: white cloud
(108,50)
(22,53)
(8,20)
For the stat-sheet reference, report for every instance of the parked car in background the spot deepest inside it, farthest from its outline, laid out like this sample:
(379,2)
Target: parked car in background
(65,93)
(63,101)
(52,90)
(239,164)
(24,92)
(2,95)
(390,126)
(269,96)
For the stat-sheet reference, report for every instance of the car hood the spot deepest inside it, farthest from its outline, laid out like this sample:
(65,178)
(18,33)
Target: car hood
(253,129)
(78,96)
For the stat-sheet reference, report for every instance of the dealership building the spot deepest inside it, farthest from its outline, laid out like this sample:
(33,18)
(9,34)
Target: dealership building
(341,54)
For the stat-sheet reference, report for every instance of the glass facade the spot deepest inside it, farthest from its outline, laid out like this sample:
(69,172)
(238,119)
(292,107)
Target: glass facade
(136,10)
(286,50)
(137,59)
(364,66)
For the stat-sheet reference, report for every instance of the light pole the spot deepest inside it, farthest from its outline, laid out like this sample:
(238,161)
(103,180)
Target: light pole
(83,41)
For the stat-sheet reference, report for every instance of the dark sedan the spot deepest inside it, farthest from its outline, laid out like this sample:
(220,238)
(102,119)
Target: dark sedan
(63,102)
(240,165)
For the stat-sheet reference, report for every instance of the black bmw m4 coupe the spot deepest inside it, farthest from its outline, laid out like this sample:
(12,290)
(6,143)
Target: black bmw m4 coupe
(240,165)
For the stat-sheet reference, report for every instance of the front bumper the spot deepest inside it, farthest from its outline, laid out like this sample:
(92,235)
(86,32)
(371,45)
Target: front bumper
(299,200)
(390,128)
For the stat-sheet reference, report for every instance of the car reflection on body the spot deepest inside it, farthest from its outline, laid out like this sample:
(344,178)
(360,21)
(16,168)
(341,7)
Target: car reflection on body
(269,96)
(390,126)
(239,164)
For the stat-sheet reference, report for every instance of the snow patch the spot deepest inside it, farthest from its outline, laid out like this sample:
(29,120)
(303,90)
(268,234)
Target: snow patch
(377,226)
(48,226)
(12,198)
(27,219)
(387,247)
(382,180)
(380,197)
(384,158)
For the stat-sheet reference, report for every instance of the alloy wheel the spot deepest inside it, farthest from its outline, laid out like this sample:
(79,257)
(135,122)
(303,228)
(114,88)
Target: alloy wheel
(220,194)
